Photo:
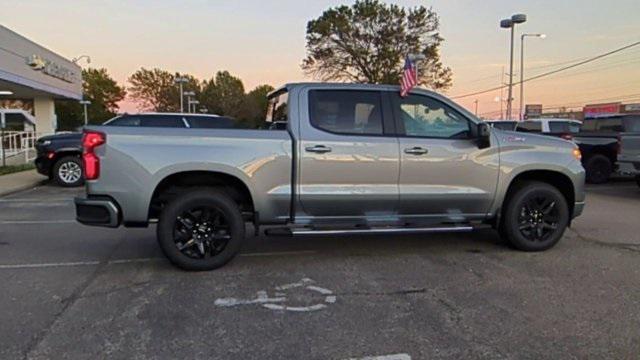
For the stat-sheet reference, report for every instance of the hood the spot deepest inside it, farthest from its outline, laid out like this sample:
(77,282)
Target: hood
(506,137)
(62,136)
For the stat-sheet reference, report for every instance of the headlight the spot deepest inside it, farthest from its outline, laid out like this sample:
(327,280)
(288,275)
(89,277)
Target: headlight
(577,154)
(45,142)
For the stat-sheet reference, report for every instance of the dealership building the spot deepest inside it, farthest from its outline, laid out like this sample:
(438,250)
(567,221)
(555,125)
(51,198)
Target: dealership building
(35,75)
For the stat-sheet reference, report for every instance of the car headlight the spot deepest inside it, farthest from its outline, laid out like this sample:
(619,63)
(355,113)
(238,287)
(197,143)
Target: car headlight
(577,153)
(45,142)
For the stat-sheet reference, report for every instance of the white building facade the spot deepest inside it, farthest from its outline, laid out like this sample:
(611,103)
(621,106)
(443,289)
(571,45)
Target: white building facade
(31,72)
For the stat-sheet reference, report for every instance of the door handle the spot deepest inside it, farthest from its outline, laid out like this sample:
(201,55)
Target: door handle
(416,151)
(320,149)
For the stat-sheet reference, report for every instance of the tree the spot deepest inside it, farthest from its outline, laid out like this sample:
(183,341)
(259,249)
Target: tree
(103,92)
(368,42)
(156,90)
(223,95)
(254,108)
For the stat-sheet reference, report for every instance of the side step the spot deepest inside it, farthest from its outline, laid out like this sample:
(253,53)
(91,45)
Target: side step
(366,231)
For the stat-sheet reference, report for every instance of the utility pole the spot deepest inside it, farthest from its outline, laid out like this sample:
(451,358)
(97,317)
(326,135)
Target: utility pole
(181,80)
(84,104)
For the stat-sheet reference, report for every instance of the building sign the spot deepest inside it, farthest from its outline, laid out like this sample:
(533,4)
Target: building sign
(50,68)
(632,108)
(601,109)
(532,111)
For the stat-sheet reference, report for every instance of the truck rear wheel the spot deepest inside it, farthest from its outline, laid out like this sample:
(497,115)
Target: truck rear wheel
(598,169)
(201,230)
(535,217)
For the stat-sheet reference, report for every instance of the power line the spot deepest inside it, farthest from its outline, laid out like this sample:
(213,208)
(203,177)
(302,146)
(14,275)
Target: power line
(549,73)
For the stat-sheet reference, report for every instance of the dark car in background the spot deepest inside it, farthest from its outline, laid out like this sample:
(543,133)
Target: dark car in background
(599,142)
(59,156)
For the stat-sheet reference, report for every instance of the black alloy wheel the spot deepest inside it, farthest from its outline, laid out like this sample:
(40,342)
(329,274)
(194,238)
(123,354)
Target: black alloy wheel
(535,217)
(201,229)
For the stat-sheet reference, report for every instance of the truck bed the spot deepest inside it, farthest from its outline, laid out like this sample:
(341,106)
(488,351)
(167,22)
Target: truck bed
(135,161)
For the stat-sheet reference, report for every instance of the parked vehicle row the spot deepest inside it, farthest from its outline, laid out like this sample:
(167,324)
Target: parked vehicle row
(59,156)
(599,139)
(343,159)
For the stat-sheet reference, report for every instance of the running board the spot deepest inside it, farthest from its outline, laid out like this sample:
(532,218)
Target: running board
(368,231)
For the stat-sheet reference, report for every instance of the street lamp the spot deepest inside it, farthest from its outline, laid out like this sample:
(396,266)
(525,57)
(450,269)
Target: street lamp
(541,36)
(194,103)
(416,58)
(511,24)
(188,94)
(181,80)
(85,103)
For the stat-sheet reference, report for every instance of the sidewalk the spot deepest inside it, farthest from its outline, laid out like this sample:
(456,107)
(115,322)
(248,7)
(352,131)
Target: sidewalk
(20,181)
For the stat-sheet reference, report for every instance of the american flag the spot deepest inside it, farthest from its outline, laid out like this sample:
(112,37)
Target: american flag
(409,77)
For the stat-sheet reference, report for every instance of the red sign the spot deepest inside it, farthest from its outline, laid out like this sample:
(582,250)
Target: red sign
(602,109)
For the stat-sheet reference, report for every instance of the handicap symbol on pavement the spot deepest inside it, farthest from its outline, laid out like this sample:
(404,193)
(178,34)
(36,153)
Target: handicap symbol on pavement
(279,300)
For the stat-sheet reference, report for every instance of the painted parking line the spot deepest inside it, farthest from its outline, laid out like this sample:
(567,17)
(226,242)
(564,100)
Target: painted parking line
(37,201)
(36,222)
(137,260)
(385,357)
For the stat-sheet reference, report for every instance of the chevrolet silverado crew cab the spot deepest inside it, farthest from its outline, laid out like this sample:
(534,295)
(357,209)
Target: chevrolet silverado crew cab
(336,159)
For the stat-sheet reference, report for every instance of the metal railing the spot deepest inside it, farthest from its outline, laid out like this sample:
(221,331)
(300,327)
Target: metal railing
(16,143)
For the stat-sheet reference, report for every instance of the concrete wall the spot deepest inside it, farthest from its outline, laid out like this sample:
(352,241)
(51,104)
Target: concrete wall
(44,111)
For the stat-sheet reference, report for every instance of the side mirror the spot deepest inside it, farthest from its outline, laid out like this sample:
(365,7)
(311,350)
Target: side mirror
(484,135)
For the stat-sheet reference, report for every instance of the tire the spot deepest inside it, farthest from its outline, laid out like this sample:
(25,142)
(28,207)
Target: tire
(195,240)
(535,217)
(68,172)
(599,169)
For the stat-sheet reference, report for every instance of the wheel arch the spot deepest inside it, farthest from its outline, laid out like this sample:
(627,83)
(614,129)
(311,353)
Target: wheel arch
(557,179)
(176,183)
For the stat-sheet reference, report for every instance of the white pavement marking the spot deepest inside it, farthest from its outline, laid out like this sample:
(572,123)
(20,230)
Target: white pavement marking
(385,357)
(276,302)
(37,201)
(124,261)
(36,222)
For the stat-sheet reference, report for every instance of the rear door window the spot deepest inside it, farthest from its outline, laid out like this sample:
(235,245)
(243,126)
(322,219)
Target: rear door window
(346,112)
(632,124)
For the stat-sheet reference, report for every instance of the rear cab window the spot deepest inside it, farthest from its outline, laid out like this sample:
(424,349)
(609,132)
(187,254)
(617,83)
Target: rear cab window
(278,110)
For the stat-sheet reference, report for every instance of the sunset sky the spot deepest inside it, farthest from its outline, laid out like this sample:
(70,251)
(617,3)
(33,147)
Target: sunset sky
(264,41)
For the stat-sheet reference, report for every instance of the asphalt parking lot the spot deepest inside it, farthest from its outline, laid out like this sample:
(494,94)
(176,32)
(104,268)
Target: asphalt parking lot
(71,291)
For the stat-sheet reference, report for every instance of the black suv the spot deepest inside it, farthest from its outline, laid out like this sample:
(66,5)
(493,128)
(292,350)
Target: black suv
(59,155)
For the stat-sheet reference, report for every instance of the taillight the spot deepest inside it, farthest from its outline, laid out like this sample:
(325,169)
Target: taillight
(91,140)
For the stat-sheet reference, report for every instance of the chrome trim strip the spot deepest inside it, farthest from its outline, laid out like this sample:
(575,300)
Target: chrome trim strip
(384,230)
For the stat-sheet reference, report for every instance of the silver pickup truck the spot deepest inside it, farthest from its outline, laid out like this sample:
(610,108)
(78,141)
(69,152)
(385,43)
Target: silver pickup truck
(336,159)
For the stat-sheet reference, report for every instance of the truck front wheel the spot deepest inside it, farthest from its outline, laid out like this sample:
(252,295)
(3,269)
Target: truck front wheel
(201,230)
(535,217)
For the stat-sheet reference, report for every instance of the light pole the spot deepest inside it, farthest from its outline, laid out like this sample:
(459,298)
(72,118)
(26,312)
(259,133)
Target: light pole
(511,24)
(416,58)
(85,103)
(188,94)
(541,36)
(194,103)
(181,80)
